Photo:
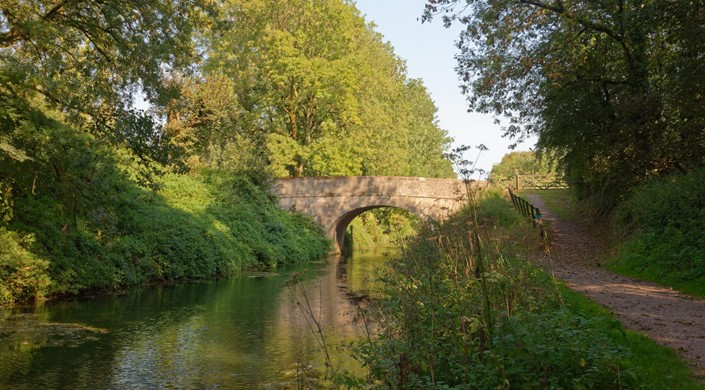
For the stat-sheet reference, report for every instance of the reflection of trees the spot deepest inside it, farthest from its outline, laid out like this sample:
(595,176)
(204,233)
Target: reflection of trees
(20,336)
(221,343)
(295,340)
(231,332)
(362,270)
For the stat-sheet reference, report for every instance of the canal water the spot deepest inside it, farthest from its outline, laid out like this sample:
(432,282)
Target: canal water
(243,332)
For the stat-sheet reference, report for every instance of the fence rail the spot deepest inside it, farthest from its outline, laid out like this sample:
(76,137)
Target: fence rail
(541,182)
(528,210)
(532,182)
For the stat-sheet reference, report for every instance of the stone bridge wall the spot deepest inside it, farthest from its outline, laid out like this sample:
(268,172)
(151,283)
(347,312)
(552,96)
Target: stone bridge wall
(336,201)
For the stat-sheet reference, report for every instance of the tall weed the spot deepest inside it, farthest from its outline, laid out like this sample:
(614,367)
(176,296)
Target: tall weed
(465,312)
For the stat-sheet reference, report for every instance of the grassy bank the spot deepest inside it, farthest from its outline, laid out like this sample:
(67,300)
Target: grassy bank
(202,225)
(466,309)
(662,223)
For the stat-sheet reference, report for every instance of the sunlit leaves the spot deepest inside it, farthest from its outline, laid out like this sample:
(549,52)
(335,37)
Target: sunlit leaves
(602,84)
(317,74)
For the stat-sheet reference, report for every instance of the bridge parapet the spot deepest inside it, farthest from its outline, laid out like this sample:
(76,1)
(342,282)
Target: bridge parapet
(336,201)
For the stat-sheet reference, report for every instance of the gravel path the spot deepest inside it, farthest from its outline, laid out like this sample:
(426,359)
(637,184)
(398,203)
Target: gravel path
(669,318)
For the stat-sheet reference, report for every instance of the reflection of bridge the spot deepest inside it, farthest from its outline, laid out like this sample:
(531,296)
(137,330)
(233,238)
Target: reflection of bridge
(336,201)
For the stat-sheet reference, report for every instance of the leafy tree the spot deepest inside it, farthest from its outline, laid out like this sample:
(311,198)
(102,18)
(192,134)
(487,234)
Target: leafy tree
(427,141)
(88,59)
(69,72)
(81,54)
(290,64)
(323,91)
(603,83)
(526,163)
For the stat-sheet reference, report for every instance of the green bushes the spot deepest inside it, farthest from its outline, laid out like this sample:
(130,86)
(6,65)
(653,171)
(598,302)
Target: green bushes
(664,223)
(383,227)
(202,225)
(463,313)
(22,275)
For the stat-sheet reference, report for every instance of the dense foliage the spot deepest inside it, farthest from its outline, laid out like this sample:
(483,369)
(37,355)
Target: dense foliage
(94,190)
(198,226)
(383,227)
(463,313)
(315,89)
(664,220)
(526,164)
(614,88)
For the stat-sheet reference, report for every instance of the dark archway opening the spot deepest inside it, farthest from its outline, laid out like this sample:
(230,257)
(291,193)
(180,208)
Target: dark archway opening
(374,226)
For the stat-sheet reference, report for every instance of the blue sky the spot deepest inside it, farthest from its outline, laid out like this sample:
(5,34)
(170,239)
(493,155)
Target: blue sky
(429,51)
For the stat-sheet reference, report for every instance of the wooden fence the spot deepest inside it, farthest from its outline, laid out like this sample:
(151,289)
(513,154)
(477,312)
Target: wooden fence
(539,182)
(528,210)
(531,182)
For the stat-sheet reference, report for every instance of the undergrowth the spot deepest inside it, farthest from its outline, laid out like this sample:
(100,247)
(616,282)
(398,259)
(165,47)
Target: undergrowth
(465,310)
(202,225)
(665,241)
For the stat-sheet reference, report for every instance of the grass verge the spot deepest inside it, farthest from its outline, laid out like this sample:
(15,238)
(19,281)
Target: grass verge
(651,363)
(561,202)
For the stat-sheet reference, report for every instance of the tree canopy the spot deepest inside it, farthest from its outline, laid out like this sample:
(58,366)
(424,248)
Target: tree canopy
(613,87)
(80,64)
(319,91)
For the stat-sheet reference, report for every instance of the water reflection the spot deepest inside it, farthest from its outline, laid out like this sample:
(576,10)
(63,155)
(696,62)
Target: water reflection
(239,333)
(360,273)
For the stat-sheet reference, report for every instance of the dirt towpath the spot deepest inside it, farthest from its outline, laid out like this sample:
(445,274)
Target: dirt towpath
(669,318)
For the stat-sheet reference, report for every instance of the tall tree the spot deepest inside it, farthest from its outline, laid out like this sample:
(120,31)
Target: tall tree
(69,71)
(89,58)
(594,79)
(330,97)
(290,62)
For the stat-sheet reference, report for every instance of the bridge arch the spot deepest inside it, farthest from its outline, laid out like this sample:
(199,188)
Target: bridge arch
(342,223)
(335,201)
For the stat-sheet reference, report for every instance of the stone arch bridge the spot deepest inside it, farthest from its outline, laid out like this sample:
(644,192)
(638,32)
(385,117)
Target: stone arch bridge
(335,201)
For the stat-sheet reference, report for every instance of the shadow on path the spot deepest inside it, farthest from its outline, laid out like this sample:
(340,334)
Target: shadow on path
(668,317)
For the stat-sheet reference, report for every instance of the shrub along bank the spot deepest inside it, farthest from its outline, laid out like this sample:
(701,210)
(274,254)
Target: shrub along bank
(202,225)
(665,236)
(465,309)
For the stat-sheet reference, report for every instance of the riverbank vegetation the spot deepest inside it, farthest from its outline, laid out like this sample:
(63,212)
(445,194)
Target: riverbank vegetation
(201,225)
(137,141)
(466,307)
